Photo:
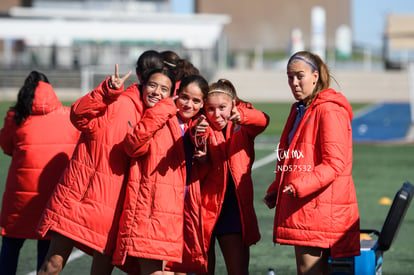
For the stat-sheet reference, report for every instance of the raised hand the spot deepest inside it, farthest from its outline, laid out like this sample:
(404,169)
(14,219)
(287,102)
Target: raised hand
(202,124)
(235,114)
(175,97)
(201,127)
(116,82)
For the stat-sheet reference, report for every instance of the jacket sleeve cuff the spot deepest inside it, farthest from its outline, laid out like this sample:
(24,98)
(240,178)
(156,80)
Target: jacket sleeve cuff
(109,93)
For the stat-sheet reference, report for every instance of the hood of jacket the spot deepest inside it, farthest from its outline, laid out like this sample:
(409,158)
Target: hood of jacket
(45,99)
(330,95)
(134,93)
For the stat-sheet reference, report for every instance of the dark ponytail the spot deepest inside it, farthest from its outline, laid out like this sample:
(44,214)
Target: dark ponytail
(23,107)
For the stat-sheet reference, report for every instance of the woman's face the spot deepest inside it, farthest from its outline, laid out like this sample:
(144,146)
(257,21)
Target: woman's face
(218,110)
(157,87)
(302,80)
(189,101)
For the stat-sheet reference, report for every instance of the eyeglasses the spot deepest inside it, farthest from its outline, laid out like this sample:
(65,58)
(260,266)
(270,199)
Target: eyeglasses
(153,86)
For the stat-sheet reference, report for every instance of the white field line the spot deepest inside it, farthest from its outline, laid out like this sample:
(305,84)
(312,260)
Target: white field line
(258,163)
(366,110)
(264,161)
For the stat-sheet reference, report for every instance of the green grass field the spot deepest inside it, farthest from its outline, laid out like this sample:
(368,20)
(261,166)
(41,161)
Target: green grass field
(379,171)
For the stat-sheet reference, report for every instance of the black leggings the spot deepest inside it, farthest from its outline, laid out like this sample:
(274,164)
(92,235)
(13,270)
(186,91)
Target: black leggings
(10,250)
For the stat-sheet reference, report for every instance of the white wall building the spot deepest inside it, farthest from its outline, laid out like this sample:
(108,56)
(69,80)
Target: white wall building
(67,34)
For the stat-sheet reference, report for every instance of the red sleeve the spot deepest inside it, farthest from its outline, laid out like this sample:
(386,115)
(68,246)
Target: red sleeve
(255,121)
(88,113)
(137,142)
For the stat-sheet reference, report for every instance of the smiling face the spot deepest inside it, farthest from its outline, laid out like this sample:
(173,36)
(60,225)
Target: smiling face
(157,87)
(302,80)
(218,110)
(189,101)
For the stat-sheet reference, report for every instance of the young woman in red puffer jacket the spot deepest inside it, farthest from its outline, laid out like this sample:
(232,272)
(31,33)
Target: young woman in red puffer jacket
(151,225)
(40,138)
(85,208)
(314,194)
(224,207)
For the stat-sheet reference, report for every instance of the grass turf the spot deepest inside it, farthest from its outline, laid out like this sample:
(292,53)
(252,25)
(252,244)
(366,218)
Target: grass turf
(379,171)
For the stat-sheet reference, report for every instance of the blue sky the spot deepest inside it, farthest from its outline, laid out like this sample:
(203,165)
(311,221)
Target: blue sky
(182,6)
(369,19)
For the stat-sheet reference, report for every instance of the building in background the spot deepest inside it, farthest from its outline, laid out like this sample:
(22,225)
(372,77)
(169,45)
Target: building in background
(268,26)
(269,23)
(92,35)
(77,42)
(74,34)
(398,40)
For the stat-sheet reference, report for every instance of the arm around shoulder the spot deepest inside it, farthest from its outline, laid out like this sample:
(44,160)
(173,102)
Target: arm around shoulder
(137,142)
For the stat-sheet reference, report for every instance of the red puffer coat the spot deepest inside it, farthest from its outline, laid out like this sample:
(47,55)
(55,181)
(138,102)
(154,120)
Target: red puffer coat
(234,153)
(323,211)
(41,147)
(87,200)
(151,225)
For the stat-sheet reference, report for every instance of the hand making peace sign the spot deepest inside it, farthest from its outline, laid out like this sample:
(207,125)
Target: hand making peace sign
(116,82)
